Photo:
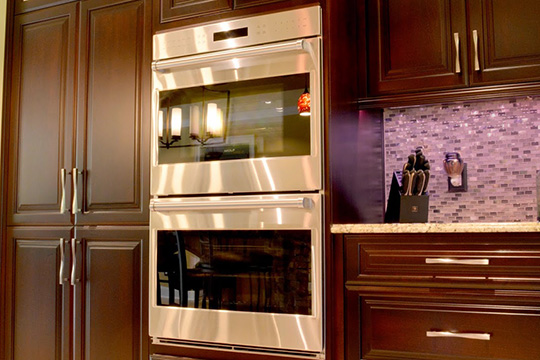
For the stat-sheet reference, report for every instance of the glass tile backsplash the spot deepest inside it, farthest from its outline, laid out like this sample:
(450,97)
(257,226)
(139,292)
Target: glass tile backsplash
(499,142)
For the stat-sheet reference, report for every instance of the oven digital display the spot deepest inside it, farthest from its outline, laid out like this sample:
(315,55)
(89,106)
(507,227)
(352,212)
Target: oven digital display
(231,34)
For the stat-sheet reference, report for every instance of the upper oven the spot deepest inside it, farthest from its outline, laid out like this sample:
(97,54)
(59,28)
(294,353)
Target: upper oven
(237,106)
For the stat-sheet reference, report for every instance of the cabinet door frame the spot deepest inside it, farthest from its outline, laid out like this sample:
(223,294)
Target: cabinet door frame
(46,214)
(37,238)
(383,79)
(126,241)
(495,68)
(135,209)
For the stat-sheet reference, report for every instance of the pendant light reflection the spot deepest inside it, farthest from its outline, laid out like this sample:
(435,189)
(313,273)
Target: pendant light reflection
(304,103)
(206,120)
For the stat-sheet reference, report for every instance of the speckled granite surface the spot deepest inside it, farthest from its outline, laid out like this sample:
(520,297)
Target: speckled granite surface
(436,228)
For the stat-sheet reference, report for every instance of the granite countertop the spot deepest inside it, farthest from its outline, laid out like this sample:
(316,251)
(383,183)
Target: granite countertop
(436,228)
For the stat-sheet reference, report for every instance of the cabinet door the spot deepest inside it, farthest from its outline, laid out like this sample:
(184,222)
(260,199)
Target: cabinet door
(114,113)
(110,295)
(41,118)
(416,45)
(39,325)
(506,43)
(29,5)
(246,3)
(182,9)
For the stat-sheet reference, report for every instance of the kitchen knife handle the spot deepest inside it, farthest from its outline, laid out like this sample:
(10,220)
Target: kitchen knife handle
(74,265)
(475,42)
(457,261)
(472,336)
(458,63)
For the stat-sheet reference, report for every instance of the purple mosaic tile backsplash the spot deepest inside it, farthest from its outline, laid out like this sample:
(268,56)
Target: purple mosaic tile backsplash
(499,141)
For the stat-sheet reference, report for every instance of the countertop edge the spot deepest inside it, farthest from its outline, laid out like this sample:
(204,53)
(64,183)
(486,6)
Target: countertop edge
(435,228)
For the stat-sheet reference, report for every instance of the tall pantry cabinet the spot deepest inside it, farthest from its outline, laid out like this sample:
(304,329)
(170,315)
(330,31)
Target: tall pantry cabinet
(76,186)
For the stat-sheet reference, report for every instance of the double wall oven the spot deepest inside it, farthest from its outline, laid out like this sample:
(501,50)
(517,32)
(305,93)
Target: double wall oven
(236,214)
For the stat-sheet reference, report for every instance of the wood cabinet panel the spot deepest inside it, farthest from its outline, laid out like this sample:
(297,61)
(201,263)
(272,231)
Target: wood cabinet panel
(412,45)
(490,257)
(22,6)
(238,4)
(112,141)
(394,326)
(183,9)
(41,119)
(508,47)
(40,305)
(110,305)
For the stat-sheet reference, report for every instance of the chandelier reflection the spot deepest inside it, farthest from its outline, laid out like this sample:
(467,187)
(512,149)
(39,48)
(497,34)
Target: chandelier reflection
(206,116)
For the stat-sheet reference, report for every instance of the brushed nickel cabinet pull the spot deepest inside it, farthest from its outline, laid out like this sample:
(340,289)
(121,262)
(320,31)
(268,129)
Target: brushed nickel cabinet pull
(475,42)
(450,334)
(75,205)
(457,261)
(74,267)
(61,278)
(63,200)
(458,63)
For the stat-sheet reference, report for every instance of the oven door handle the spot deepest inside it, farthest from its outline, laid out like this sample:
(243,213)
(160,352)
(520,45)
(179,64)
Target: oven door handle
(302,203)
(199,60)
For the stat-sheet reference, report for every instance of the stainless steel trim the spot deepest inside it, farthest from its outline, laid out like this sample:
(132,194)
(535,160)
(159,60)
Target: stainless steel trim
(475,42)
(180,205)
(450,334)
(61,278)
(75,205)
(261,29)
(458,63)
(63,200)
(457,261)
(74,277)
(202,59)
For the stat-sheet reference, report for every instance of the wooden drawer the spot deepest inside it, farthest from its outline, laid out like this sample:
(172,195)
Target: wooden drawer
(498,257)
(444,328)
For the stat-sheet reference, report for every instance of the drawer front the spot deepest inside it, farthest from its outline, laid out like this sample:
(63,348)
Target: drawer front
(414,329)
(479,255)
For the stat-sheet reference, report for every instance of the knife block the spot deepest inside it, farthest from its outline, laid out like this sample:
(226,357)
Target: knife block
(405,209)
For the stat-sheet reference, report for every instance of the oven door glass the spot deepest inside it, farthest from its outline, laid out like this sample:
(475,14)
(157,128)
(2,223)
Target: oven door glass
(239,120)
(245,270)
(257,116)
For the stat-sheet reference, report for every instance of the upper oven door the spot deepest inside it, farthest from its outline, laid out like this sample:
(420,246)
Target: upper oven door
(233,121)
(242,270)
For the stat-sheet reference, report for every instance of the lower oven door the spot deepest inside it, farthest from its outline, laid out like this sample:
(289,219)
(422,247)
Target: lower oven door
(242,272)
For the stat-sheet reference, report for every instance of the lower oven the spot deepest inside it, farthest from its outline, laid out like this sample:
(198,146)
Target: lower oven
(241,272)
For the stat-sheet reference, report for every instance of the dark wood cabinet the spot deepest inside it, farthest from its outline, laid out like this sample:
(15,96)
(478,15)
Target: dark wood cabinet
(416,45)
(113,117)
(22,6)
(98,312)
(504,41)
(38,327)
(181,9)
(238,4)
(425,45)
(90,167)
(42,112)
(439,295)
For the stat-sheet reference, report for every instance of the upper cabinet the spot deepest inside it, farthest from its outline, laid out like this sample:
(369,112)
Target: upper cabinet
(421,45)
(79,119)
(175,13)
(22,6)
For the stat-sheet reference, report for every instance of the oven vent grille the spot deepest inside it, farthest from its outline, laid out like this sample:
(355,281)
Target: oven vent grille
(238,348)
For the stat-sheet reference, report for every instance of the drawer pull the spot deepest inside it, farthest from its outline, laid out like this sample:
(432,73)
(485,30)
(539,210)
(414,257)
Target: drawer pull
(472,336)
(457,261)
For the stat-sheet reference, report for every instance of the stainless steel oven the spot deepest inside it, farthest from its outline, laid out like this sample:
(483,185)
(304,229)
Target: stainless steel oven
(242,273)
(239,97)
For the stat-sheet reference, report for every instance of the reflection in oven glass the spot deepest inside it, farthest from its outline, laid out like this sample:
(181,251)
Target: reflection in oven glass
(240,120)
(253,270)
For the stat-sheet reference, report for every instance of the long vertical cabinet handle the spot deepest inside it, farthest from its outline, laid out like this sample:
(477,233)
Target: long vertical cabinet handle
(61,278)
(74,266)
(63,201)
(75,205)
(458,63)
(475,44)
